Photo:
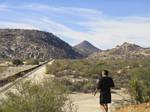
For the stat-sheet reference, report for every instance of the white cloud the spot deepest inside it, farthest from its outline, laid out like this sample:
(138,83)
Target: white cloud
(112,32)
(101,30)
(16,25)
(69,10)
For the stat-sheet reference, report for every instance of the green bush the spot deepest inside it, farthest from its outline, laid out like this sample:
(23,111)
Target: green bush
(86,68)
(3,56)
(83,68)
(17,62)
(147,95)
(79,86)
(32,62)
(47,97)
(136,91)
(89,86)
(140,83)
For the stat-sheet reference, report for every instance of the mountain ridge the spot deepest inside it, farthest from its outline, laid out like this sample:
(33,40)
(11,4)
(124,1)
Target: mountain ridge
(124,51)
(86,48)
(26,43)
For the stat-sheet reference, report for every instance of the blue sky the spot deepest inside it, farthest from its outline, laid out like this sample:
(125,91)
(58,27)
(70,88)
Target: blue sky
(105,23)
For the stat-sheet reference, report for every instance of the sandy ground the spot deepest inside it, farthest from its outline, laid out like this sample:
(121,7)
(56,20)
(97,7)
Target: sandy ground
(90,103)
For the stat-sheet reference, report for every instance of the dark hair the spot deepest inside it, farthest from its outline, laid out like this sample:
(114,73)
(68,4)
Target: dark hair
(106,72)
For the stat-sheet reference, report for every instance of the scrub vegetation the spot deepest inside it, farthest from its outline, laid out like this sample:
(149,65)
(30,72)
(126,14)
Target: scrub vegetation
(47,97)
(133,75)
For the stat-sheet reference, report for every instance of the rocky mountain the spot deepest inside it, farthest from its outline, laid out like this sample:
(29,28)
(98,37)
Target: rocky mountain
(19,43)
(85,48)
(126,51)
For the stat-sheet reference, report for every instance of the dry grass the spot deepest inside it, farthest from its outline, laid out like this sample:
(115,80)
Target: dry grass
(2,69)
(136,108)
(8,71)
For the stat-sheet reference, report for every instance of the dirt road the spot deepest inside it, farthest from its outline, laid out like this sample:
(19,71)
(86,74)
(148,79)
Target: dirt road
(90,103)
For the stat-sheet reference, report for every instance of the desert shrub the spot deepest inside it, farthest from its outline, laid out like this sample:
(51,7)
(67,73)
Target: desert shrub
(46,97)
(86,68)
(72,86)
(140,84)
(79,86)
(136,91)
(146,95)
(32,62)
(88,86)
(17,62)
(3,56)
(82,68)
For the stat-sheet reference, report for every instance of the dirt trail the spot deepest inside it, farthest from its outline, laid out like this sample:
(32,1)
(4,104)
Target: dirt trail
(90,103)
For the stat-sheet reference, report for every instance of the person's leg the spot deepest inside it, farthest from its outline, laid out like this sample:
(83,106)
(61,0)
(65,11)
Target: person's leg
(106,107)
(102,107)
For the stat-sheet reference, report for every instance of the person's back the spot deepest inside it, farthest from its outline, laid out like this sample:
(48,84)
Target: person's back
(104,85)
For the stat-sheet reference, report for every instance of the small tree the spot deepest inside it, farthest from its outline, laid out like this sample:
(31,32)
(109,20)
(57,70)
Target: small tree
(140,83)
(136,91)
(17,62)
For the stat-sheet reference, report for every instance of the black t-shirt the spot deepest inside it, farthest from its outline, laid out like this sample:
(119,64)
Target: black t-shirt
(104,84)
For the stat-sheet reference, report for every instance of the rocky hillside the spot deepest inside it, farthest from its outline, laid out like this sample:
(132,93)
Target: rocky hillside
(85,48)
(19,43)
(126,50)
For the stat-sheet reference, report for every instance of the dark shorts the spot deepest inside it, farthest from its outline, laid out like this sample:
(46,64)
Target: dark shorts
(105,97)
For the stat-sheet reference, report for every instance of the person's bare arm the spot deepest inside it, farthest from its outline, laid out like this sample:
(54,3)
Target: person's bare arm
(97,88)
(95,91)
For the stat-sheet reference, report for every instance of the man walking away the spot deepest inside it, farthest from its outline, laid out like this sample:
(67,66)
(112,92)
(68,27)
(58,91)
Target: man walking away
(104,86)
